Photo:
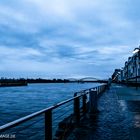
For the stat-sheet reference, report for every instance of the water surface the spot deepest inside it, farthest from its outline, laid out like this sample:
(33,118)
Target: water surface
(17,102)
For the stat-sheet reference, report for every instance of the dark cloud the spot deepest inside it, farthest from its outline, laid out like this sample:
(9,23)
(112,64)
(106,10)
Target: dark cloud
(67,37)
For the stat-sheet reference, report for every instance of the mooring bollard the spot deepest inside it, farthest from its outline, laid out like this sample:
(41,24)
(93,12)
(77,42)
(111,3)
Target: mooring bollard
(93,97)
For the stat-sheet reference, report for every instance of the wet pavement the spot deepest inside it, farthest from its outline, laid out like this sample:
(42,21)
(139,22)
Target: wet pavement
(118,117)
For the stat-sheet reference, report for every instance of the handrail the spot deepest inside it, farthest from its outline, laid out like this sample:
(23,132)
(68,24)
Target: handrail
(33,115)
(48,111)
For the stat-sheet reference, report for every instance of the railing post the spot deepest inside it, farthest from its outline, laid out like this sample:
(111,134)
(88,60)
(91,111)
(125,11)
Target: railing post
(104,87)
(48,125)
(84,103)
(99,89)
(93,97)
(77,109)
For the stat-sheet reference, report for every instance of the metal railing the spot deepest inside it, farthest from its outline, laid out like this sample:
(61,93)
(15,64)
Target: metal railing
(78,108)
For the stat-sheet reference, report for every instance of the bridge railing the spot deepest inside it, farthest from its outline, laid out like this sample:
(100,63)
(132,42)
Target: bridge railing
(74,108)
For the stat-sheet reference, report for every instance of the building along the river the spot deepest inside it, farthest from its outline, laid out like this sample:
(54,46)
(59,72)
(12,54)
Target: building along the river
(130,73)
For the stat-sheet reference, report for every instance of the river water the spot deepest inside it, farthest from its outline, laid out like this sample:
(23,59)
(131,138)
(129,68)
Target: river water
(16,102)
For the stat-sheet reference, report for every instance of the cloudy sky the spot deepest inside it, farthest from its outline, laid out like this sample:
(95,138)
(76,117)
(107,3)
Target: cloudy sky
(67,38)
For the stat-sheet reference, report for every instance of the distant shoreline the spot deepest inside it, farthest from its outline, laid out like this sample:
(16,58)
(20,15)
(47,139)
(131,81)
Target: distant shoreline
(24,82)
(13,84)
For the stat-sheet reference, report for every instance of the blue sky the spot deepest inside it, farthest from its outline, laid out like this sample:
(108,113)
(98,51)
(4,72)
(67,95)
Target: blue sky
(67,38)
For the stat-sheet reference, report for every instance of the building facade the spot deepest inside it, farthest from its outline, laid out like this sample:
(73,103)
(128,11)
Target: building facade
(130,73)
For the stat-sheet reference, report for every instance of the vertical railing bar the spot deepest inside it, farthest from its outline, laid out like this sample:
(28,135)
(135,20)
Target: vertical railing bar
(84,104)
(48,125)
(77,110)
(93,102)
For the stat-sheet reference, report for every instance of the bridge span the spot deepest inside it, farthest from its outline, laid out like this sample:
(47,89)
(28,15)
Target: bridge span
(87,79)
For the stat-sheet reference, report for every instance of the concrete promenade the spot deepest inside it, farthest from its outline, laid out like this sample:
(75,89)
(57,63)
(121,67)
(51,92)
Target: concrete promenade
(118,117)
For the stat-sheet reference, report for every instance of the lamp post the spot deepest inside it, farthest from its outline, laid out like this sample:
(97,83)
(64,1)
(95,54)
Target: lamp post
(136,51)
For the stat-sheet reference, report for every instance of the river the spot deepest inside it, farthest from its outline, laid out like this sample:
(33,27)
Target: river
(17,102)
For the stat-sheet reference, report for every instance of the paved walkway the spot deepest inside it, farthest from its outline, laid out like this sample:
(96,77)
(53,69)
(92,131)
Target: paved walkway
(117,119)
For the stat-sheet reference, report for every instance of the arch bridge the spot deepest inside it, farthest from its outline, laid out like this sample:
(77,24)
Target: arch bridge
(87,79)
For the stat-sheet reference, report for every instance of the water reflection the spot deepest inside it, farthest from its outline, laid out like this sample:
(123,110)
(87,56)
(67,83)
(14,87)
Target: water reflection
(137,121)
(123,105)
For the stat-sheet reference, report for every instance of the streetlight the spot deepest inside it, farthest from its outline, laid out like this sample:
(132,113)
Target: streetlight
(136,50)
